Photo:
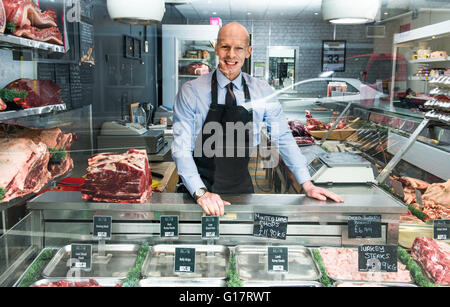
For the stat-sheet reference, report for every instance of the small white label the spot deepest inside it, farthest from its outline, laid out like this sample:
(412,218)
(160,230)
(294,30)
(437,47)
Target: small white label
(442,237)
(101,234)
(278,268)
(210,234)
(170,234)
(185,268)
(80,264)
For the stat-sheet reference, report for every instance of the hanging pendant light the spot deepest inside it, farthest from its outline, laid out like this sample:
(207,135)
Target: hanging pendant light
(137,12)
(350,11)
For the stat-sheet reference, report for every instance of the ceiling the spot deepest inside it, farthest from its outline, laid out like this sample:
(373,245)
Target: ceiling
(285,9)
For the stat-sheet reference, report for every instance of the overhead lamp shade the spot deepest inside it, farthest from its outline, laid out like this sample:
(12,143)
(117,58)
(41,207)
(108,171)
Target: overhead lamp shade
(137,12)
(350,11)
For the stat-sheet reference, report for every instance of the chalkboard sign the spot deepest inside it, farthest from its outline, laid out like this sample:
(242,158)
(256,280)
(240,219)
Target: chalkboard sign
(87,43)
(184,260)
(364,226)
(441,229)
(62,78)
(377,258)
(102,227)
(169,226)
(278,260)
(210,227)
(270,226)
(81,256)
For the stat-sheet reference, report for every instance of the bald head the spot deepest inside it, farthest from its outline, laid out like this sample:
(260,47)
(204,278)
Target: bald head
(234,31)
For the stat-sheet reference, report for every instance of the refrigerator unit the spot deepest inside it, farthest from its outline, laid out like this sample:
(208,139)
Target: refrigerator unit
(187,53)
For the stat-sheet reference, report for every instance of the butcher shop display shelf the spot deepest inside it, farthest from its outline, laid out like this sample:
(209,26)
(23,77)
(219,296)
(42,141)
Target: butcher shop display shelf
(19,43)
(5,115)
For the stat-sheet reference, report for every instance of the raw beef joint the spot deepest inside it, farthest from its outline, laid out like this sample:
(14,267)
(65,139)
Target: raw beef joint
(2,18)
(3,105)
(39,92)
(27,13)
(434,256)
(23,167)
(48,35)
(121,178)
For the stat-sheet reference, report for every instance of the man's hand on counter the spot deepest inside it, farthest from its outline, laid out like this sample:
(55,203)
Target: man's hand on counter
(212,204)
(320,193)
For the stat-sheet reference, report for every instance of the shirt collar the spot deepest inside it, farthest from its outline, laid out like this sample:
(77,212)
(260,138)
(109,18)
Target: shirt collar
(223,81)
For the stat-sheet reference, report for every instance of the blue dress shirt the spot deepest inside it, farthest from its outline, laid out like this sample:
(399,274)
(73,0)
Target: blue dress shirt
(192,105)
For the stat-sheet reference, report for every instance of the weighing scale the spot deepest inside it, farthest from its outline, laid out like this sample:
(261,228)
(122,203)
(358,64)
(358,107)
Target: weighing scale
(341,167)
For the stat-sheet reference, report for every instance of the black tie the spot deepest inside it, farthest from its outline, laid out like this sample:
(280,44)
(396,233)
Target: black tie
(230,99)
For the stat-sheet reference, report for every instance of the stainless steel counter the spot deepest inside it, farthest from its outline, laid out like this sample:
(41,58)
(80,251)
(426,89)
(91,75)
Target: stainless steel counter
(66,217)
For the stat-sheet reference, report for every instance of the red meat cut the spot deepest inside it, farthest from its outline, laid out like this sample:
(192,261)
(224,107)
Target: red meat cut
(39,92)
(118,178)
(27,13)
(3,105)
(2,19)
(48,35)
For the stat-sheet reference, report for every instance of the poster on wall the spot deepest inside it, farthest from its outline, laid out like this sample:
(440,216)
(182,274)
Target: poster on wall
(333,56)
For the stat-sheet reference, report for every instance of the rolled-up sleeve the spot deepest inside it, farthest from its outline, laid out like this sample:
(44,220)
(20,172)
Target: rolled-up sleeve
(282,136)
(184,138)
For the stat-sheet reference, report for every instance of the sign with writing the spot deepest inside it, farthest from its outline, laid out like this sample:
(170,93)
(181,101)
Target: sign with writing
(270,226)
(278,260)
(441,229)
(377,258)
(184,260)
(333,56)
(81,256)
(102,227)
(364,226)
(210,227)
(169,226)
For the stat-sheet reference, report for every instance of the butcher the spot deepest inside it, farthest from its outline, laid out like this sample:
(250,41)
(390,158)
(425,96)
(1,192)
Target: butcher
(212,166)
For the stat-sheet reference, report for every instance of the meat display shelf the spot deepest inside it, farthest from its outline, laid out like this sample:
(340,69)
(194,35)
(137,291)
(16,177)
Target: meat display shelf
(5,115)
(13,42)
(427,61)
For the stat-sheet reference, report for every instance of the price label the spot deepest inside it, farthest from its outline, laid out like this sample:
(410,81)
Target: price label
(377,258)
(333,56)
(184,260)
(270,226)
(81,256)
(441,229)
(210,227)
(277,258)
(364,226)
(169,226)
(102,227)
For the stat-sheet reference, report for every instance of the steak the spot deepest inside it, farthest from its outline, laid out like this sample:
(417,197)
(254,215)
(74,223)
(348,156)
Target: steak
(27,13)
(2,19)
(3,105)
(53,138)
(39,92)
(48,35)
(118,178)
(434,256)
(23,167)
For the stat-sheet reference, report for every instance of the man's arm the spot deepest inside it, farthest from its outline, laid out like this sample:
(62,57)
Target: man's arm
(290,152)
(184,135)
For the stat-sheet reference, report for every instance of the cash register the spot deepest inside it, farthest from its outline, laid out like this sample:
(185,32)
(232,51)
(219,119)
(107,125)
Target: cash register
(117,135)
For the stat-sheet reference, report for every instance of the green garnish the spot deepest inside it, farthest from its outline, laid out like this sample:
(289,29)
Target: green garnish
(34,272)
(11,27)
(414,268)
(325,280)
(417,213)
(134,274)
(57,155)
(9,95)
(233,279)
(2,193)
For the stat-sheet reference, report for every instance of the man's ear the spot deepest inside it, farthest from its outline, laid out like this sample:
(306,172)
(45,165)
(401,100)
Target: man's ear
(250,50)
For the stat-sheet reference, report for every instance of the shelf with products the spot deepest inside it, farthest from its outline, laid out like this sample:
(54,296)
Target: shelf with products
(428,61)
(6,115)
(8,41)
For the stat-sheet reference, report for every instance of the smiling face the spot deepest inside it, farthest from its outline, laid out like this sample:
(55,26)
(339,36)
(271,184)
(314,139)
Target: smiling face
(232,48)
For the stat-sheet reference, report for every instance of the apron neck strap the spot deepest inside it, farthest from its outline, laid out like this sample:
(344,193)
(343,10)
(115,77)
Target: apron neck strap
(214,85)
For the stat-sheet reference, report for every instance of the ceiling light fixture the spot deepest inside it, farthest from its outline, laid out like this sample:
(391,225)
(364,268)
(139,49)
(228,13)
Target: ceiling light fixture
(350,11)
(137,12)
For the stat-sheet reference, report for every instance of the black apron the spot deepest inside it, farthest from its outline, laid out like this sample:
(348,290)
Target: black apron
(222,174)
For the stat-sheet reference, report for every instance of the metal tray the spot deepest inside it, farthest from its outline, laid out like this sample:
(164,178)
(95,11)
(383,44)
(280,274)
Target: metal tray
(336,280)
(275,284)
(211,262)
(251,265)
(103,282)
(182,282)
(123,258)
(369,284)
